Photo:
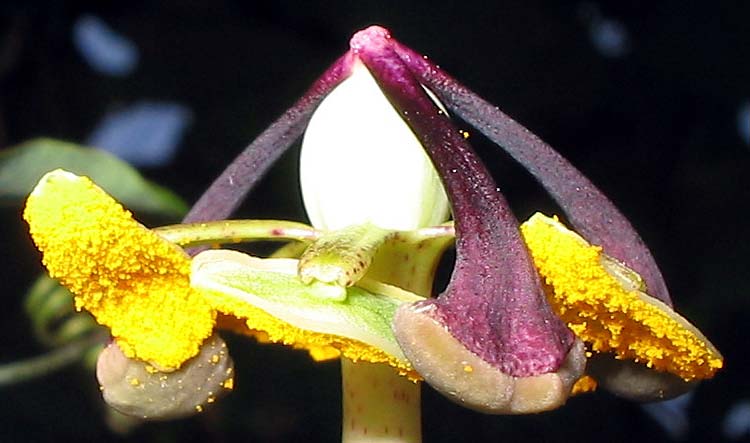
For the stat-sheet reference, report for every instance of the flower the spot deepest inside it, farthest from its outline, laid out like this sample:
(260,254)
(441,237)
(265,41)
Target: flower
(531,314)
(139,285)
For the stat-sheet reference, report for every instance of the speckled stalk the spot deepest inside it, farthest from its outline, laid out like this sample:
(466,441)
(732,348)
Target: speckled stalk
(494,305)
(378,405)
(590,212)
(236,231)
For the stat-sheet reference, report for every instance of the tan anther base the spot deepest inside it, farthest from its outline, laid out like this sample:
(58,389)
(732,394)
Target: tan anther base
(465,378)
(635,381)
(139,390)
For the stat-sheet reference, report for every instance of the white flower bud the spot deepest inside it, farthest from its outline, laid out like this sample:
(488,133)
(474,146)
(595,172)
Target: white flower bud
(360,162)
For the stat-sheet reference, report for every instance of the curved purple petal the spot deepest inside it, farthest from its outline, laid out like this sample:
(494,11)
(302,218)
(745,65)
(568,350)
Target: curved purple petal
(591,213)
(494,304)
(229,190)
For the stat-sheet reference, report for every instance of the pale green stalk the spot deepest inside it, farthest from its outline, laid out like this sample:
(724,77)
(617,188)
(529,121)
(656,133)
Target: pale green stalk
(378,404)
(236,231)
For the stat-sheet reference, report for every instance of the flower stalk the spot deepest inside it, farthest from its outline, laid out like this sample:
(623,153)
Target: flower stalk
(378,405)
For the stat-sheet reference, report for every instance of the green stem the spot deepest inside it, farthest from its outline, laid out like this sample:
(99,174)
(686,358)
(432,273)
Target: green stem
(379,405)
(409,259)
(20,371)
(236,231)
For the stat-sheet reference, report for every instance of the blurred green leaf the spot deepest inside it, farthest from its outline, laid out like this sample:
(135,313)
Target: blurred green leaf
(21,168)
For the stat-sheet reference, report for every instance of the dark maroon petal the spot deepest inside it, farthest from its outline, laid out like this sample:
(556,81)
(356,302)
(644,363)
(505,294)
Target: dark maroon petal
(590,212)
(494,304)
(229,190)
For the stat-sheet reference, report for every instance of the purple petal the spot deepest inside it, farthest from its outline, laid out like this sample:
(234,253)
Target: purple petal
(494,304)
(588,209)
(229,190)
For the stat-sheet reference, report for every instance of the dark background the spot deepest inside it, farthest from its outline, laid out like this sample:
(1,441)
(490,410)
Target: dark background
(655,128)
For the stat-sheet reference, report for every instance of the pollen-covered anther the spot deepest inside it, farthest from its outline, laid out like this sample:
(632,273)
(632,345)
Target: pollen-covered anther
(129,278)
(643,348)
(462,376)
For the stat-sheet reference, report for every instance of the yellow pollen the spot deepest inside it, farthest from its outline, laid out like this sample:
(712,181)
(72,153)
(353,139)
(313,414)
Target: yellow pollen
(609,316)
(583,385)
(129,278)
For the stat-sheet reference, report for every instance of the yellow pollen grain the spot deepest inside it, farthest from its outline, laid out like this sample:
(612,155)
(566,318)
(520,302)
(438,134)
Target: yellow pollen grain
(129,278)
(608,316)
(468,369)
(583,385)
(228,384)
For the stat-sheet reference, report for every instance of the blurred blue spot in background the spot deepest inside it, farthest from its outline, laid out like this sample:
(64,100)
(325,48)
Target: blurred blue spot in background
(743,122)
(143,134)
(671,415)
(106,51)
(736,423)
(609,37)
